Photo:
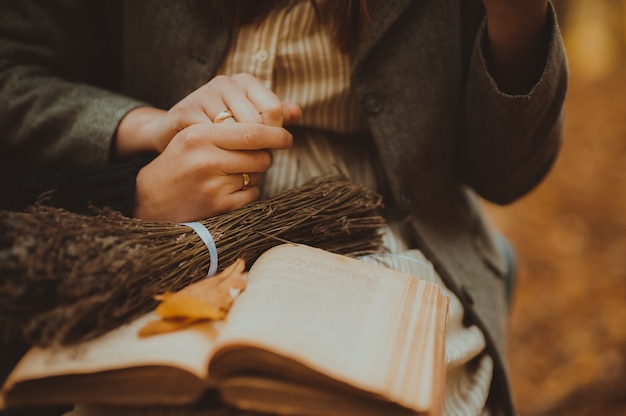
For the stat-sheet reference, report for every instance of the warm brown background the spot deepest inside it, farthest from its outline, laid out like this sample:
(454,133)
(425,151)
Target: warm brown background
(567,338)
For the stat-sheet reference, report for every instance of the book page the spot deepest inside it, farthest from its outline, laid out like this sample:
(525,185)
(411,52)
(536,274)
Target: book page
(122,348)
(275,396)
(362,324)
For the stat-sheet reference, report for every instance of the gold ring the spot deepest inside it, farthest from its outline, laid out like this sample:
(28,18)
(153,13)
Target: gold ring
(246,180)
(222,115)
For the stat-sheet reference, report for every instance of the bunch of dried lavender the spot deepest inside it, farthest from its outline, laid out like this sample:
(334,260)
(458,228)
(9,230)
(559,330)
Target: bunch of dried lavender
(65,278)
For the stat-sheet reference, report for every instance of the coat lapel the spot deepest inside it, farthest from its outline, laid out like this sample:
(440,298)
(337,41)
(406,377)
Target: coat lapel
(383,14)
(210,39)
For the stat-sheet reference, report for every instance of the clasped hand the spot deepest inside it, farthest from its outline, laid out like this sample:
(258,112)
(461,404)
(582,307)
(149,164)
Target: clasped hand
(199,170)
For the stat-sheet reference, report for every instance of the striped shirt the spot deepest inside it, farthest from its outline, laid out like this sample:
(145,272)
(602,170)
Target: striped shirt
(292,53)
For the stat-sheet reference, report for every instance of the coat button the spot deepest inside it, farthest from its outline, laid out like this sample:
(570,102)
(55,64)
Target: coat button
(371,103)
(261,55)
(407,203)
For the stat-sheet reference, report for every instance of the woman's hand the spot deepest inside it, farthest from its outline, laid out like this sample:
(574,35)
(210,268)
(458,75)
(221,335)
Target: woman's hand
(151,129)
(195,178)
(205,167)
(518,33)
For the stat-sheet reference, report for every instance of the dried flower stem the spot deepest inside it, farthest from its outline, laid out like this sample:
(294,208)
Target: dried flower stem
(67,277)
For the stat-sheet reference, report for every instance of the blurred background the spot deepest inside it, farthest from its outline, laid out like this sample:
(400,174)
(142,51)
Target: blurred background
(567,338)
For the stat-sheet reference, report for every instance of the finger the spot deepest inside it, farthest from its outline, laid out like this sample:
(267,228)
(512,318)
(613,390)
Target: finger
(219,95)
(240,199)
(239,182)
(225,116)
(234,97)
(205,103)
(232,196)
(245,136)
(291,113)
(183,115)
(264,100)
(222,149)
(237,163)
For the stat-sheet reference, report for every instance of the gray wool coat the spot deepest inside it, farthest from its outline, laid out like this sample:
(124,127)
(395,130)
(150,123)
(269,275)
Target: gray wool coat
(445,133)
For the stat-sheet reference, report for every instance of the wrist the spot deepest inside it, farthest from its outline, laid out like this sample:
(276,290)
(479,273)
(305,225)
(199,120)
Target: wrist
(518,38)
(517,26)
(138,132)
(141,208)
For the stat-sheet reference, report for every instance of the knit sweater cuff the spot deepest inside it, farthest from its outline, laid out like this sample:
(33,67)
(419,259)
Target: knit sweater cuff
(111,186)
(75,188)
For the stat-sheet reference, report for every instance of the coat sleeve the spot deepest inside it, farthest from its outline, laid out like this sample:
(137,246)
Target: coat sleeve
(59,63)
(510,142)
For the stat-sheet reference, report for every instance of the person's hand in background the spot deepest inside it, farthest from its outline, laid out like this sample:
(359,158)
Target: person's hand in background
(518,33)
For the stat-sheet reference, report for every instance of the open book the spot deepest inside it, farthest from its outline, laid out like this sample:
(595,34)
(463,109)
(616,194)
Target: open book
(313,333)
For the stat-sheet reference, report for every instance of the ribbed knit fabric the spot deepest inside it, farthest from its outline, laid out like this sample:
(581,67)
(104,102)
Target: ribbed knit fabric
(74,188)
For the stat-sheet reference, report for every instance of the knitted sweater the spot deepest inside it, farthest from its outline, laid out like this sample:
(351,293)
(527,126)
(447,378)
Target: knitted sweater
(74,188)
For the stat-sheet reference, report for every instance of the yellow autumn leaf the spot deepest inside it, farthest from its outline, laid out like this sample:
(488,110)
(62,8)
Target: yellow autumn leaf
(208,299)
(181,305)
(162,326)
